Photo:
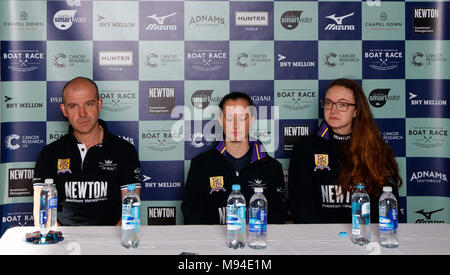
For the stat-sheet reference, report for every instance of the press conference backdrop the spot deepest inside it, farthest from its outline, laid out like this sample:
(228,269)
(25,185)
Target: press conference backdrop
(162,67)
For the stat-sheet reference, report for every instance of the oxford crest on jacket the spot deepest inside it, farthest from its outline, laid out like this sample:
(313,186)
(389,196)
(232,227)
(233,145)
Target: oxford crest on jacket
(63,166)
(321,161)
(216,184)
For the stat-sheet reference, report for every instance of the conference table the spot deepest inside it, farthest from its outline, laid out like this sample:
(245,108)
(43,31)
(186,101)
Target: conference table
(286,239)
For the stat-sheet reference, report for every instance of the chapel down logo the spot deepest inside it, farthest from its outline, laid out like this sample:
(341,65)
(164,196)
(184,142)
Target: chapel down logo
(321,161)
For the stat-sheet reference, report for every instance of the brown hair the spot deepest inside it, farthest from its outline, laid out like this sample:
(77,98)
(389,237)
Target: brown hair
(368,159)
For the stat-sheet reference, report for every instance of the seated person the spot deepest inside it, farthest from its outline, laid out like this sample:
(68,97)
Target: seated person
(90,166)
(236,160)
(347,149)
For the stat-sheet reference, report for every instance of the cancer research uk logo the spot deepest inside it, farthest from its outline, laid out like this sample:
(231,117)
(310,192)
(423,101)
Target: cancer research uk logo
(22,141)
(69,22)
(384,59)
(339,22)
(23,60)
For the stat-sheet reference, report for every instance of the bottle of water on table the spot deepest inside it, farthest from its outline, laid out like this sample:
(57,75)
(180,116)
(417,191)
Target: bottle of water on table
(236,223)
(48,207)
(388,219)
(257,224)
(131,217)
(360,216)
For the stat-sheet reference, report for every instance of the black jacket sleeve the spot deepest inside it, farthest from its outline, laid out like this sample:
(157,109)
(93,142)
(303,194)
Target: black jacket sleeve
(130,169)
(300,184)
(194,205)
(42,168)
(277,200)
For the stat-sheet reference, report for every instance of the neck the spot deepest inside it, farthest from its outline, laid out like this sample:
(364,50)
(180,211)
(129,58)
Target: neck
(237,148)
(92,138)
(342,131)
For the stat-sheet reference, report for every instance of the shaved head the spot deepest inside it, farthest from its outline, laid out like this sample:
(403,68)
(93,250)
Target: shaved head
(78,83)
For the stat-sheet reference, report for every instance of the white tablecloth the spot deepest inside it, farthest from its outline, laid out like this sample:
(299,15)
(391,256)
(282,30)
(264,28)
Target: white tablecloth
(210,239)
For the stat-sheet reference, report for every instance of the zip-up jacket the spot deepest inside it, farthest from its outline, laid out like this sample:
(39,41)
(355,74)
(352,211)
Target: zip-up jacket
(314,194)
(211,176)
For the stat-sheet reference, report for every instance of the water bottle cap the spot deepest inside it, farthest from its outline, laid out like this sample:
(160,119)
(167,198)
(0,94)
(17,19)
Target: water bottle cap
(131,187)
(259,189)
(360,185)
(236,187)
(48,181)
(387,189)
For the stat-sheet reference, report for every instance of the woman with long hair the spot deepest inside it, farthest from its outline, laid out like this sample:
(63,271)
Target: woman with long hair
(347,149)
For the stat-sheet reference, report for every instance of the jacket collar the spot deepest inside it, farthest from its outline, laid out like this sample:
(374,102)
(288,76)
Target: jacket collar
(101,123)
(323,131)
(326,132)
(258,150)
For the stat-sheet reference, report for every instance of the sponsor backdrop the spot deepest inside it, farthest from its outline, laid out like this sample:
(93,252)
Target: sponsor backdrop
(162,67)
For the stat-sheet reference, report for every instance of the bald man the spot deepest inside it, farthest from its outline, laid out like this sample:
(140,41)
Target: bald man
(90,166)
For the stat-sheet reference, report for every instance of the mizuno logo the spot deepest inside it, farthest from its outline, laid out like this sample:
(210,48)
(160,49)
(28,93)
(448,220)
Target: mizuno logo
(338,20)
(160,19)
(427,215)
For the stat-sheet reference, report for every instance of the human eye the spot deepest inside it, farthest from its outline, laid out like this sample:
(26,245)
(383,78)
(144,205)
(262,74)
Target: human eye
(327,103)
(342,105)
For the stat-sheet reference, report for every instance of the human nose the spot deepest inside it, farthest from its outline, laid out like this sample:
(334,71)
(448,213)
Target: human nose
(82,111)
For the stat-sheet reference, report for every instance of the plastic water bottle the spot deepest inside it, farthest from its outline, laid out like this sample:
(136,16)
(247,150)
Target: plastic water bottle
(236,223)
(388,220)
(131,217)
(257,220)
(48,207)
(360,216)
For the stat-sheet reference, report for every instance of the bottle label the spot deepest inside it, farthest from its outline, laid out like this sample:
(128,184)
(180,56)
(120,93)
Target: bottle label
(236,217)
(136,213)
(43,217)
(365,209)
(390,222)
(127,218)
(53,202)
(258,224)
(355,225)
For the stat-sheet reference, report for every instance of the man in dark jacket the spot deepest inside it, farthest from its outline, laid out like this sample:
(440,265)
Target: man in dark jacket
(236,160)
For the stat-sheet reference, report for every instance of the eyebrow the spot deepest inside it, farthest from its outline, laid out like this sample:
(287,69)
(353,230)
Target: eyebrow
(341,99)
